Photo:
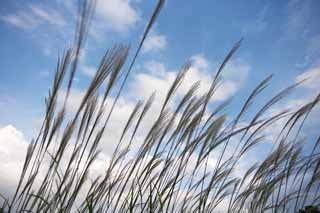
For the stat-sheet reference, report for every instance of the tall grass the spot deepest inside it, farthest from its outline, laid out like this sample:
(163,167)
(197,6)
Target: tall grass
(168,170)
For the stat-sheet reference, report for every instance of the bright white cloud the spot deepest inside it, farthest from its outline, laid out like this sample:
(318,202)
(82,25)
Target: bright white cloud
(159,79)
(200,62)
(155,67)
(312,77)
(311,83)
(118,14)
(118,118)
(154,43)
(13,147)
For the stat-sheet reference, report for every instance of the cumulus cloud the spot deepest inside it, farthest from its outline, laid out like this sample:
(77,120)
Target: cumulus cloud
(155,67)
(118,118)
(147,83)
(118,14)
(13,147)
(158,78)
(311,85)
(154,43)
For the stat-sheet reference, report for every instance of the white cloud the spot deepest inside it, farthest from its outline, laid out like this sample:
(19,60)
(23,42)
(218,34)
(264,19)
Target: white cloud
(88,70)
(155,67)
(51,25)
(45,24)
(200,62)
(159,79)
(311,84)
(118,14)
(48,15)
(33,15)
(146,83)
(21,20)
(154,42)
(312,77)
(118,118)
(13,147)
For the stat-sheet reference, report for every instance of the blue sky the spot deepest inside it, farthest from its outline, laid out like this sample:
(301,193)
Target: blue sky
(280,37)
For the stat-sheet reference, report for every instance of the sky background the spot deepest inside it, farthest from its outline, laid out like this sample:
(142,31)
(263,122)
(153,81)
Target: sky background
(280,37)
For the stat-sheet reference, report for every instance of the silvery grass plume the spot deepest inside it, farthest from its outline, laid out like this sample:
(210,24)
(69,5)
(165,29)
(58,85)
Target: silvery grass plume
(169,169)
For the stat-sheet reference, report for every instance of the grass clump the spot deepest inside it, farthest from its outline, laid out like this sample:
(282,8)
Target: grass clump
(168,170)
